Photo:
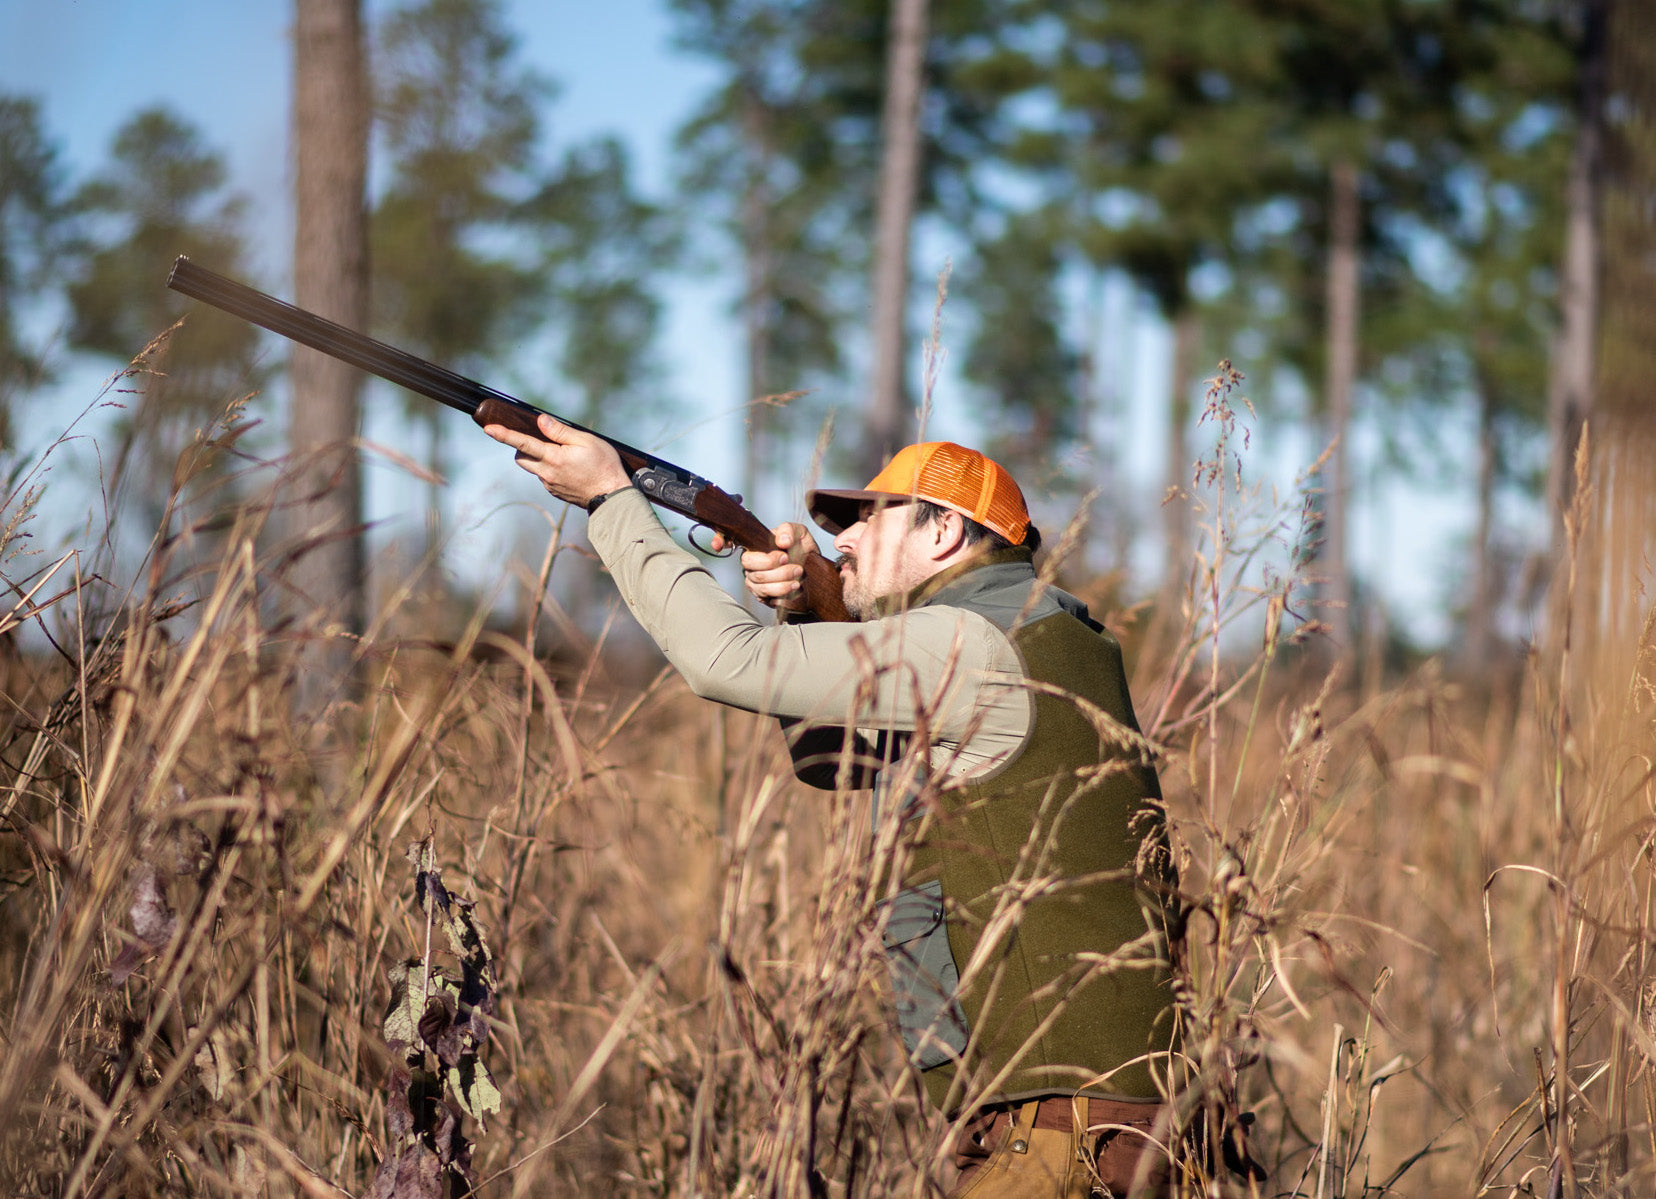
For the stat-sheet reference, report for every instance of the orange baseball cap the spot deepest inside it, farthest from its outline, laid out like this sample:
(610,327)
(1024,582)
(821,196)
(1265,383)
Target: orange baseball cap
(940,472)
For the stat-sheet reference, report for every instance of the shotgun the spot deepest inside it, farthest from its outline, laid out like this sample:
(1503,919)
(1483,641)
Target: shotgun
(664,484)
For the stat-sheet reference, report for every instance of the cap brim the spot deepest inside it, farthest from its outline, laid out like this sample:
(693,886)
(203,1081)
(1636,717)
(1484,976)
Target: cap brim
(836,511)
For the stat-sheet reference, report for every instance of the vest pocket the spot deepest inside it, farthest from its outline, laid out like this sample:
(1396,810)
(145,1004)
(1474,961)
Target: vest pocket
(924,980)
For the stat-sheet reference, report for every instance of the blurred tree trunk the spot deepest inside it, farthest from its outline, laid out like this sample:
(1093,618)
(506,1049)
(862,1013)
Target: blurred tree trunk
(162,193)
(1090,413)
(758,302)
(1613,598)
(330,277)
(889,422)
(1176,494)
(1570,393)
(1479,649)
(33,224)
(1344,224)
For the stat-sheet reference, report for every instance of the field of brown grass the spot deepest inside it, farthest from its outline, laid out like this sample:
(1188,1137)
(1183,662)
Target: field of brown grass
(494,915)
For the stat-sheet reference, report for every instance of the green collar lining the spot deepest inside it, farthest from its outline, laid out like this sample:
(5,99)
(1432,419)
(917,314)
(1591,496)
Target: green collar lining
(926,592)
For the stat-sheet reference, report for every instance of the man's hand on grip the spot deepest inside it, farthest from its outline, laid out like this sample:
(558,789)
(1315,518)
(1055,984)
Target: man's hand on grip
(776,577)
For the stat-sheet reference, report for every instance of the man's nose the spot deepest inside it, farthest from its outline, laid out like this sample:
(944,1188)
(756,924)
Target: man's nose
(846,542)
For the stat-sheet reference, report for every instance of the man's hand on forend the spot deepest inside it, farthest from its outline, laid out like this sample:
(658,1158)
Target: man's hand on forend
(573,465)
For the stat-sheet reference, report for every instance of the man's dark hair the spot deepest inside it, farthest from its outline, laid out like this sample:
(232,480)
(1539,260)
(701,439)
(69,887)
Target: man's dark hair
(925,511)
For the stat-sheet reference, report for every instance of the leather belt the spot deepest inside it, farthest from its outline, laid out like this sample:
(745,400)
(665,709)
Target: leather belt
(1059,1113)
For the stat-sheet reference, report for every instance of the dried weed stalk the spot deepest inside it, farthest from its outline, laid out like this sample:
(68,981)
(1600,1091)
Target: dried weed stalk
(201,925)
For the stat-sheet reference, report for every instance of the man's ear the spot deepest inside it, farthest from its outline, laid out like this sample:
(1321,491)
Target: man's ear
(948,534)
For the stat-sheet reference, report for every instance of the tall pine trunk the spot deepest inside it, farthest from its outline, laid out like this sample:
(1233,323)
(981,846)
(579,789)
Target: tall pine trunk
(330,277)
(758,298)
(889,423)
(1344,225)
(1618,552)
(1175,501)
(1479,649)
(434,485)
(1089,403)
(1570,390)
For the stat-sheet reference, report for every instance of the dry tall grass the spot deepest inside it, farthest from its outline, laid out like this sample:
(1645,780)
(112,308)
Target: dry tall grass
(1416,944)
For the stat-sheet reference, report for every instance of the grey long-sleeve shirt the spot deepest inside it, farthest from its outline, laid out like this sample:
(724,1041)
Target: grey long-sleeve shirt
(945,666)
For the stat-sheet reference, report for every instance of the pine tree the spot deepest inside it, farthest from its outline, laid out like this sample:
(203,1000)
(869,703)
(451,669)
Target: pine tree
(458,115)
(1624,427)
(1287,152)
(1157,147)
(1570,394)
(1421,105)
(761,156)
(889,424)
(941,119)
(477,241)
(789,149)
(33,240)
(1482,321)
(162,193)
(599,250)
(1367,89)
(330,277)
(1018,355)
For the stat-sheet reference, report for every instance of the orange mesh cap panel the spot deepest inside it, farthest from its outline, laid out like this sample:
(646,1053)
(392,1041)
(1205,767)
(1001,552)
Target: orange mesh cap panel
(942,473)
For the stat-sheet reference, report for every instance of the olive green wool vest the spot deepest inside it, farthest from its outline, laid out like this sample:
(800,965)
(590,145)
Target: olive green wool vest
(1053,868)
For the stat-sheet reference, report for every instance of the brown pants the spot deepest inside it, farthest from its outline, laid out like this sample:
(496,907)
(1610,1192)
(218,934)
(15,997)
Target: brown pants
(1039,1148)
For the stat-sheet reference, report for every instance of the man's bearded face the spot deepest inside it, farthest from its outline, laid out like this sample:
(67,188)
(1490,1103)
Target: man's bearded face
(879,556)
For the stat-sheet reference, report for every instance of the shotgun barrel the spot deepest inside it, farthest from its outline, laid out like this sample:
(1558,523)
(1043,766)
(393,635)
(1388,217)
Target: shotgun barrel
(664,483)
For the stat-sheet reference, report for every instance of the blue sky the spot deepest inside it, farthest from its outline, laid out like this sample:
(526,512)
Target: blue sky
(224,64)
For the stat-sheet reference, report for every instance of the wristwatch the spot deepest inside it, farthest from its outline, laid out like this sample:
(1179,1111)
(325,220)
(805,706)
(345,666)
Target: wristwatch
(592,504)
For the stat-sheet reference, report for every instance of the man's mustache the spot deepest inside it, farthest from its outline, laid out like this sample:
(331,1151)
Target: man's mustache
(846,562)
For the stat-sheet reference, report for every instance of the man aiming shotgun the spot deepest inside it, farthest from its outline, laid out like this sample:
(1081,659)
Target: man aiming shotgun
(1029,740)
(988,710)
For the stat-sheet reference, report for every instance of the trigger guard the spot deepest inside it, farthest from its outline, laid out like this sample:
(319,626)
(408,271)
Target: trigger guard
(700,548)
